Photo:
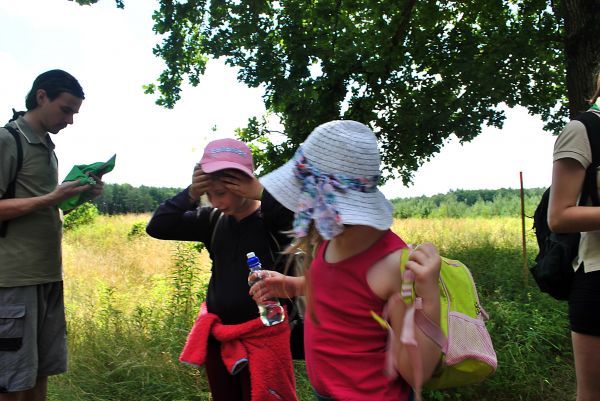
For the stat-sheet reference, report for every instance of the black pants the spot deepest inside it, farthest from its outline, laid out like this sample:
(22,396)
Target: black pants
(584,303)
(223,385)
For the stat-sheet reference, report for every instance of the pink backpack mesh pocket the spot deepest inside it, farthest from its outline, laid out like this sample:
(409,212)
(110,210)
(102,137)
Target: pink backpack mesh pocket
(468,339)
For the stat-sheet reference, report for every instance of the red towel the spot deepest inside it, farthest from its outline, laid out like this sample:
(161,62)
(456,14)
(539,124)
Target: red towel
(265,349)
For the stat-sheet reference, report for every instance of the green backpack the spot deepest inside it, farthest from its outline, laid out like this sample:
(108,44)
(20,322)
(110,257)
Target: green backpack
(468,355)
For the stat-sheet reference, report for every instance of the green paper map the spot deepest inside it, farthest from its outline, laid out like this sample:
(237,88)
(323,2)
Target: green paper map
(81,172)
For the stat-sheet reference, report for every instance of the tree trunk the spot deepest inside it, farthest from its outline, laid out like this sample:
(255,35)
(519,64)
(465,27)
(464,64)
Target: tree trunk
(582,51)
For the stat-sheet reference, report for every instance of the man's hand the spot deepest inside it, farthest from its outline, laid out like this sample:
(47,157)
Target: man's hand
(68,190)
(96,189)
(15,207)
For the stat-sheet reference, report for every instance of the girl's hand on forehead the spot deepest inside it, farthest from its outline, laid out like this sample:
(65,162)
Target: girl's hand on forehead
(242,184)
(200,183)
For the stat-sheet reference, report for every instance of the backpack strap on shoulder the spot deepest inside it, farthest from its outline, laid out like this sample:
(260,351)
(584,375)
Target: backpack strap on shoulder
(408,336)
(592,125)
(423,322)
(408,282)
(10,189)
(214,220)
(592,128)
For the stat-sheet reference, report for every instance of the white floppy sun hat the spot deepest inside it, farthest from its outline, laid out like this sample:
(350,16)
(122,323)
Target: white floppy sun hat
(333,176)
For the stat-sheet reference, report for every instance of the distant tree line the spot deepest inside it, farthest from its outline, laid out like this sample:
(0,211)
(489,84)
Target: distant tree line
(469,203)
(125,198)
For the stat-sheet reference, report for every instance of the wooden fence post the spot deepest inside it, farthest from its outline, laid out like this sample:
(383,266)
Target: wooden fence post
(525,267)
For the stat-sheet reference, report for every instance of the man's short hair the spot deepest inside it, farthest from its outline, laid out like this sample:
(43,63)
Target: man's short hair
(54,82)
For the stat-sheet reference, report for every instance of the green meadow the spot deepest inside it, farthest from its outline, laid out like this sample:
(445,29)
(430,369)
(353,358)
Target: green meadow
(131,300)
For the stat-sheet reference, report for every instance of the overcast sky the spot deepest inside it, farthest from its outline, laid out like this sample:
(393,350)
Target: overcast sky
(110,52)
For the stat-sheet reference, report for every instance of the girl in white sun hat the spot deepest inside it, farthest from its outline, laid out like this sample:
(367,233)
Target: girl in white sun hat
(342,229)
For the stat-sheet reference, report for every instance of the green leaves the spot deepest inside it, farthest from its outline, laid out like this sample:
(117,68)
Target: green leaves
(417,72)
(83,215)
(118,3)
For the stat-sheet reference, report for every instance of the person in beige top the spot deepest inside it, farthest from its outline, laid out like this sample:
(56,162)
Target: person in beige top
(32,317)
(572,156)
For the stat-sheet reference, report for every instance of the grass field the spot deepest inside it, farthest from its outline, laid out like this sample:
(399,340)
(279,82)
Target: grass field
(131,300)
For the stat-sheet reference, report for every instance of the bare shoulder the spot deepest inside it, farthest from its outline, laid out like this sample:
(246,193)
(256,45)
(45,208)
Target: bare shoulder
(384,277)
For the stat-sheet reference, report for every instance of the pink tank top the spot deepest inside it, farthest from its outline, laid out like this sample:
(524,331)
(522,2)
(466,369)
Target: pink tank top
(345,352)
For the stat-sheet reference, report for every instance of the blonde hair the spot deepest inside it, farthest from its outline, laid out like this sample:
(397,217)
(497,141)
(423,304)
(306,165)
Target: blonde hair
(593,99)
(301,253)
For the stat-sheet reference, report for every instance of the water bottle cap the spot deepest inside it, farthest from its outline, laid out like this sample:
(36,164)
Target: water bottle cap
(252,261)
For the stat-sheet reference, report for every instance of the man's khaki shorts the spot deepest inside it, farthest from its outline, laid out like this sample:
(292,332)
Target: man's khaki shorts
(33,335)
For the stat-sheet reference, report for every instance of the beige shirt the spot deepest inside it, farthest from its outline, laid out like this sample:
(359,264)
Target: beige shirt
(31,251)
(573,143)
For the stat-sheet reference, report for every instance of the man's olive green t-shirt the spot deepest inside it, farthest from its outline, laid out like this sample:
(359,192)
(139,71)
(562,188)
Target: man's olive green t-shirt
(31,251)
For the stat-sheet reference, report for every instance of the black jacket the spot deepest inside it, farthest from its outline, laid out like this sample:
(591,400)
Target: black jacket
(180,219)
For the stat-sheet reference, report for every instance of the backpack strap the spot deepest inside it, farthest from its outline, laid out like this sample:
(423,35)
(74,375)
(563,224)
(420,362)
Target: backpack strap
(592,128)
(10,189)
(423,322)
(414,316)
(274,244)
(215,224)
(408,336)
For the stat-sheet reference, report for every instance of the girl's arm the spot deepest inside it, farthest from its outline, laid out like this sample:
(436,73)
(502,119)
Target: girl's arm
(425,263)
(564,215)
(179,219)
(277,285)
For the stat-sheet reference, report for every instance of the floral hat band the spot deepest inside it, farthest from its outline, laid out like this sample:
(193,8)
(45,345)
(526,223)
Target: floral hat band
(332,179)
(318,196)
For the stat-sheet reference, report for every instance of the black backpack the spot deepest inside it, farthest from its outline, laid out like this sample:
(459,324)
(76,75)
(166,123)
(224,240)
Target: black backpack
(10,189)
(553,270)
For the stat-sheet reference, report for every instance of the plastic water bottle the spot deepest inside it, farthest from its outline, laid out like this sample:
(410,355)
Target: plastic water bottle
(270,310)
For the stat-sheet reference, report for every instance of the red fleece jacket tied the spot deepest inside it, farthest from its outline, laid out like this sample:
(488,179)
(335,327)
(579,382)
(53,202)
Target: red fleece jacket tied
(266,350)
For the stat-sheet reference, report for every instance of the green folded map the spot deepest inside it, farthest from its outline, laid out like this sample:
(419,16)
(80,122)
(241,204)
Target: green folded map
(82,173)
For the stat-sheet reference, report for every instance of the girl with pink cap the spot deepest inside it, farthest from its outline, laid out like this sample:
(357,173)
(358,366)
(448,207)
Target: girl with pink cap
(243,359)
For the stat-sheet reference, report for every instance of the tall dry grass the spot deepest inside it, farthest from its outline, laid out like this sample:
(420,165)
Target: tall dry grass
(131,299)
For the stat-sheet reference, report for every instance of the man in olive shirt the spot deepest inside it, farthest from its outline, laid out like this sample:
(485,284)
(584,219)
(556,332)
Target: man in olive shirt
(32,316)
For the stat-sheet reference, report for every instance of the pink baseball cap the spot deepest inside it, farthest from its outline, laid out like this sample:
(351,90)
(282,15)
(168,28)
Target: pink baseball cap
(227,153)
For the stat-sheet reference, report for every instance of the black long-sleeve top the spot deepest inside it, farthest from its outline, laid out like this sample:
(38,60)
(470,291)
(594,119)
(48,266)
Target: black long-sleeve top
(180,219)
